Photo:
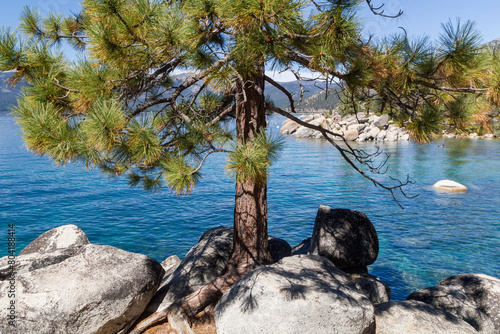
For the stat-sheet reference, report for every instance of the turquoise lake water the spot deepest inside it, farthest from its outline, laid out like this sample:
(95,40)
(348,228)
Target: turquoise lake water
(438,234)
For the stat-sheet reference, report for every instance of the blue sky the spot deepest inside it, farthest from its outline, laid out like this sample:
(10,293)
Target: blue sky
(420,17)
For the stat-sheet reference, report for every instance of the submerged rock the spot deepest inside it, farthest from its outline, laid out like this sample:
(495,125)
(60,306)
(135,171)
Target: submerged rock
(299,294)
(449,185)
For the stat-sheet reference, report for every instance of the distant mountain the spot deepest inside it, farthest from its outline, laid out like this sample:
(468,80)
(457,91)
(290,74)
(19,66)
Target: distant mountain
(318,102)
(8,94)
(494,43)
(281,100)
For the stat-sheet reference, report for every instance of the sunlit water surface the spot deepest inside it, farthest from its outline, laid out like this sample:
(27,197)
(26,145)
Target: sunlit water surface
(438,234)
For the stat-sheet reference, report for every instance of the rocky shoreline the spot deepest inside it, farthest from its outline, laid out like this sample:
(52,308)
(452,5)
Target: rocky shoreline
(65,284)
(359,127)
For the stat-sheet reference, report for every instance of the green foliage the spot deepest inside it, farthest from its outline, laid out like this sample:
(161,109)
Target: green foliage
(459,43)
(122,109)
(180,176)
(45,131)
(460,112)
(104,124)
(144,144)
(426,125)
(250,160)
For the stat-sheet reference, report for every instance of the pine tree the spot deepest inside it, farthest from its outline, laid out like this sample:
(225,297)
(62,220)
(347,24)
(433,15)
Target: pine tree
(124,108)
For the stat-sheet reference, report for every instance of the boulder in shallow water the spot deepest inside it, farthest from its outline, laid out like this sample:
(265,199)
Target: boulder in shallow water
(289,128)
(449,185)
(415,317)
(303,132)
(299,294)
(345,237)
(373,133)
(100,290)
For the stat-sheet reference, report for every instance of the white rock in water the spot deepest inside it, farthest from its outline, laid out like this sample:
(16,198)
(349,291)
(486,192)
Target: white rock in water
(449,185)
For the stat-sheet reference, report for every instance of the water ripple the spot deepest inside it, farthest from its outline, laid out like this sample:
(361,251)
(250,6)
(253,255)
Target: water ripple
(437,235)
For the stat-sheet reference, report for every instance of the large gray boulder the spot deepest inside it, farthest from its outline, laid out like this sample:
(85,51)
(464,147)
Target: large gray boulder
(100,290)
(391,135)
(33,261)
(373,133)
(51,247)
(345,237)
(62,237)
(415,317)
(204,262)
(454,300)
(303,132)
(299,294)
(381,135)
(483,290)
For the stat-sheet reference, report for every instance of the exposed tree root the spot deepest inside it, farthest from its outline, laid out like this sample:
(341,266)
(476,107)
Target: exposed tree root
(180,314)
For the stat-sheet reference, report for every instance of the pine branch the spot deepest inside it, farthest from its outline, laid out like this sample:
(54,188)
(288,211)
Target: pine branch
(282,89)
(379,12)
(188,82)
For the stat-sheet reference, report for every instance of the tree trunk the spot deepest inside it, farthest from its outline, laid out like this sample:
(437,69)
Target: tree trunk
(251,245)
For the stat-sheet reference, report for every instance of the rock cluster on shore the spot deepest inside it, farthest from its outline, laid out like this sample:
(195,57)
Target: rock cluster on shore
(358,127)
(67,285)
